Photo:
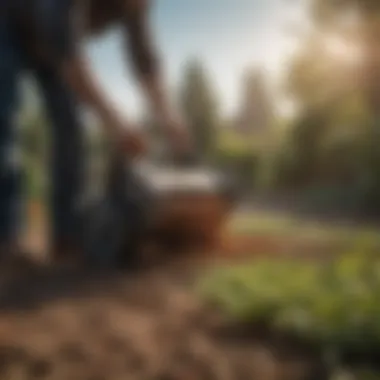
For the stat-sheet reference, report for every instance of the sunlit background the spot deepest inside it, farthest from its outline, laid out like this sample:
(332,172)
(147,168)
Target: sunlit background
(227,37)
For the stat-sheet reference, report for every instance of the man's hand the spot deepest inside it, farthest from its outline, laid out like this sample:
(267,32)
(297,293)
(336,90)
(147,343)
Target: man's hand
(147,67)
(128,141)
(178,134)
(133,144)
(123,137)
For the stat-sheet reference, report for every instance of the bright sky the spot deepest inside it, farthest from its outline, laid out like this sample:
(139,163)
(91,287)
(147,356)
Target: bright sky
(228,35)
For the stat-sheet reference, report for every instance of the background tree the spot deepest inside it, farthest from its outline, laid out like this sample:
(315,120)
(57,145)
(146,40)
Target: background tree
(328,81)
(256,113)
(199,105)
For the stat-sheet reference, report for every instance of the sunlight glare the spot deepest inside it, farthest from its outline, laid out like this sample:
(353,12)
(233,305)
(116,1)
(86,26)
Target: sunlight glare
(340,50)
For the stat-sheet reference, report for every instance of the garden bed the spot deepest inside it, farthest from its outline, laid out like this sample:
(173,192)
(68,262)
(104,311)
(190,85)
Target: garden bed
(330,307)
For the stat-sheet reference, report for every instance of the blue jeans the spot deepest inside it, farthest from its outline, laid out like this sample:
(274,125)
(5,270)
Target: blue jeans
(67,142)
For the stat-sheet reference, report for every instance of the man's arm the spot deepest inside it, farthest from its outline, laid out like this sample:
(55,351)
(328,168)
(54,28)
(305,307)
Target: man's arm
(146,62)
(77,74)
(62,35)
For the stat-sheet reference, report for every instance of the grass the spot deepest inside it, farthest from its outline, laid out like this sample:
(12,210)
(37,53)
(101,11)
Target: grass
(334,304)
(271,224)
(337,305)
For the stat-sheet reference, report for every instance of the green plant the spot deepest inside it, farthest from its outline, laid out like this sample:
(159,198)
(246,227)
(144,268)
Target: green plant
(334,304)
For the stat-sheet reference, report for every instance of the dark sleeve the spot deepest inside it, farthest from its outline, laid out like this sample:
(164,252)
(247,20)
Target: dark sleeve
(141,47)
(58,28)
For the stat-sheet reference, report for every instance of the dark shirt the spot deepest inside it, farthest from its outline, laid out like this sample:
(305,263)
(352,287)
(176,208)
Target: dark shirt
(45,25)
(51,26)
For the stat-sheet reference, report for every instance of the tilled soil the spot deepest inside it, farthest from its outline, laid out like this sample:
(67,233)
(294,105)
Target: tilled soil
(66,324)
(148,326)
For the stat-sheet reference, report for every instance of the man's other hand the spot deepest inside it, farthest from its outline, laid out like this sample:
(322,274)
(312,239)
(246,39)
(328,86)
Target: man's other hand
(178,134)
(134,144)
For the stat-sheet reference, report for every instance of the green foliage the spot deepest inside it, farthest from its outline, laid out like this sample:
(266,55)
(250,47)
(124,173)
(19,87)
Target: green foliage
(256,115)
(335,304)
(34,141)
(333,140)
(199,105)
(238,155)
(233,144)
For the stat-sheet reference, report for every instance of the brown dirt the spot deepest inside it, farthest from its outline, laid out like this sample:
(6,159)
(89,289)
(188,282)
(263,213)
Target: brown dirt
(68,324)
(72,325)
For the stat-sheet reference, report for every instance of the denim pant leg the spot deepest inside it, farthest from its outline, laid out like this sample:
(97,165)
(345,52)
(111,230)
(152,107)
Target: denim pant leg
(10,68)
(66,156)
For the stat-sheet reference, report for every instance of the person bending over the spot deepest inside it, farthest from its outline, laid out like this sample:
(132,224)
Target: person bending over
(47,38)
